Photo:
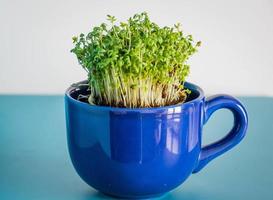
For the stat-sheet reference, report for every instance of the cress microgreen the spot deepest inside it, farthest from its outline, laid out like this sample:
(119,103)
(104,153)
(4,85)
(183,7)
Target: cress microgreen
(135,63)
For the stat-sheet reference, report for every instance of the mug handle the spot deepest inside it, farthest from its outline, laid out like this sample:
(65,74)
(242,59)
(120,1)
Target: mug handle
(236,134)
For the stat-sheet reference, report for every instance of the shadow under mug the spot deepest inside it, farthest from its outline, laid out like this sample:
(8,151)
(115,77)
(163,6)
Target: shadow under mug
(145,152)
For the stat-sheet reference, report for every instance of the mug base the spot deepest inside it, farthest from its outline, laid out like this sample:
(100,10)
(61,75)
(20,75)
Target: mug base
(156,196)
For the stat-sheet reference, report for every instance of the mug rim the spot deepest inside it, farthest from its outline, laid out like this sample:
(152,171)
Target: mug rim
(188,85)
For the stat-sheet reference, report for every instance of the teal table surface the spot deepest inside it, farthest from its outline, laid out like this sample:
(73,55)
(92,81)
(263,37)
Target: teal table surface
(34,160)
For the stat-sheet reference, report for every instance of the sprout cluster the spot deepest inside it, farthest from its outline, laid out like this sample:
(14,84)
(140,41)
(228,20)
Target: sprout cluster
(135,63)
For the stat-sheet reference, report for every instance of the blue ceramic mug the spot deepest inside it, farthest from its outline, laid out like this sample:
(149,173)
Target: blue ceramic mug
(145,152)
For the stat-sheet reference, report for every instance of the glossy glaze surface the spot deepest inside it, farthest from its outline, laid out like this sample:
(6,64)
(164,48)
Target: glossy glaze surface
(136,153)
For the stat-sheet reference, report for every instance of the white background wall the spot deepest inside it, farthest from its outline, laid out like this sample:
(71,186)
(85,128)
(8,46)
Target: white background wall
(236,56)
